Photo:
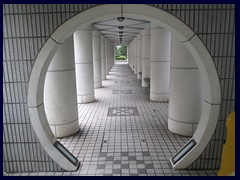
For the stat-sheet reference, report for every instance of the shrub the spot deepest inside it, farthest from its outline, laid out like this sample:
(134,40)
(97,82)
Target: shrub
(120,57)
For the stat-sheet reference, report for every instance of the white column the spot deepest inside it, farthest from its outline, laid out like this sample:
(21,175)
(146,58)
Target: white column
(131,55)
(146,57)
(106,57)
(60,96)
(139,56)
(110,56)
(185,102)
(128,55)
(113,62)
(84,65)
(135,55)
(97,59)
(160,63)
(103,58)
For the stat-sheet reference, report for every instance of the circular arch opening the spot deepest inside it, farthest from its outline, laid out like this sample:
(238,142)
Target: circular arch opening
(211,86)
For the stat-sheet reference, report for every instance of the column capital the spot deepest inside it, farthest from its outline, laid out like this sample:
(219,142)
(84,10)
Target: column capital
(95,33)
(139,37)
(146,32)
(87,27)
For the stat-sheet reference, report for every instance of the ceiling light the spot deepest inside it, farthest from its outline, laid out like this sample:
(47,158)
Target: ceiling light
(120,19)
(121,27)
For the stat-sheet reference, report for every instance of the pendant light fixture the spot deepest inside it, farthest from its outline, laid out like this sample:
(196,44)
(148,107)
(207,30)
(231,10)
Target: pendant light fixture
(121,18)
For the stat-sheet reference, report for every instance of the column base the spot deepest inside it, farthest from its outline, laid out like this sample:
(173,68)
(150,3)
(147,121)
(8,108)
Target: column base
(160,97)
(64,130)
(139,75)
(181,128)
(145,83)
(97,85)
(81,99)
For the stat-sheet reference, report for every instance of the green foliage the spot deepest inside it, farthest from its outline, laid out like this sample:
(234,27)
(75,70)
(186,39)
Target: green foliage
(120,57)
(121,51)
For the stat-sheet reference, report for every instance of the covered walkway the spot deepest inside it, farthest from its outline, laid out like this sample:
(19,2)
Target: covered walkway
(124,133)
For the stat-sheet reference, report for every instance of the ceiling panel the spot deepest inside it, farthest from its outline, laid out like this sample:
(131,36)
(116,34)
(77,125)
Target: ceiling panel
(121,32)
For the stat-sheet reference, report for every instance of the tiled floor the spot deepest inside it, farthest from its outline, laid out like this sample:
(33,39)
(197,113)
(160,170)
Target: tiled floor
(123,133)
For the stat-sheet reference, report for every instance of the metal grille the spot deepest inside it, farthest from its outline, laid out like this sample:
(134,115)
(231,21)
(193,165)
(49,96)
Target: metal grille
(26,27)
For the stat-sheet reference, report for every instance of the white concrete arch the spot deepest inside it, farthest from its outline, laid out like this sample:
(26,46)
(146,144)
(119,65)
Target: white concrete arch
(211,90)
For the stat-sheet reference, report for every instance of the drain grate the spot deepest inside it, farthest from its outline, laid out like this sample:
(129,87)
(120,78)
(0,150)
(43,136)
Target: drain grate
(121,91)
(123,111)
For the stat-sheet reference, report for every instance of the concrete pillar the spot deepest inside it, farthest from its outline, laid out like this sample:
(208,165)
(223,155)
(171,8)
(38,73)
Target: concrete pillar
(139,56)
(135,55)
(128,55)
(185,102)
(103,58)
(131,55)
(146,58)
(110,56)
(160,63)
(106,57)
(97,71)
(60,96)
(84,65)
(113,62)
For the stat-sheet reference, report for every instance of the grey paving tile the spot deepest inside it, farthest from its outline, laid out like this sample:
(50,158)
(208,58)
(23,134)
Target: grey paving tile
(116,171)
(125,166)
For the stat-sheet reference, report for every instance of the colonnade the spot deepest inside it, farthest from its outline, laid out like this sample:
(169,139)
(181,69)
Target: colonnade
(156,57)
(164,65)
(75,71)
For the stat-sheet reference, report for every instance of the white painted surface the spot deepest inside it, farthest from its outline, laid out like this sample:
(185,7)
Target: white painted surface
(103,58)
(37,79)
(60,97)
(135,55)
(210,79)
(160,63)
(84,65)
(146,46)
(106,57)
(202,135)
(97,71)
(139,56)
(46,137)
(185,103)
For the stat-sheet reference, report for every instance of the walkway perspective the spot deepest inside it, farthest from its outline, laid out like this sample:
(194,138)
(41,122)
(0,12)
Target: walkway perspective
(123,133)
